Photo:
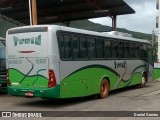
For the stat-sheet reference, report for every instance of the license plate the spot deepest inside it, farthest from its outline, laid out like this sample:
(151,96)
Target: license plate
(29,94)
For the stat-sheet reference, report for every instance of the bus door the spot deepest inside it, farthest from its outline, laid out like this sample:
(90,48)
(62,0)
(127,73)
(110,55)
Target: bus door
(150,63)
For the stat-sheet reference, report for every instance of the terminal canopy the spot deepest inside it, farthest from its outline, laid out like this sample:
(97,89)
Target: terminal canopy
(53,11)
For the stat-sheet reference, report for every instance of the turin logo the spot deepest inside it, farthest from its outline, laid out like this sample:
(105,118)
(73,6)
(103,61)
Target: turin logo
(33,40)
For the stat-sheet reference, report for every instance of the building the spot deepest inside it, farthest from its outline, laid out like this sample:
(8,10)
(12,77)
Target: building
(158,26)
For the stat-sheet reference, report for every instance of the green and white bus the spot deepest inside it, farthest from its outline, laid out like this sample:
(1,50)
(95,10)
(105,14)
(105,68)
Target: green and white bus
(51,61)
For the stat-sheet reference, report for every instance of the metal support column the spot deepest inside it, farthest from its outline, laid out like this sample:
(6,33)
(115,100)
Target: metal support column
(33,12)
(114,22)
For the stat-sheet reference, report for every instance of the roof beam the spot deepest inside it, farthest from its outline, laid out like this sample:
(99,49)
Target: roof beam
(6,3)
(64,10)
(11,20)
(65,17)
(98,6)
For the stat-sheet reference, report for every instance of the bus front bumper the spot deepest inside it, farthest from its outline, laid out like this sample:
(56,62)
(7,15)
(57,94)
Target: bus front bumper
(37,92)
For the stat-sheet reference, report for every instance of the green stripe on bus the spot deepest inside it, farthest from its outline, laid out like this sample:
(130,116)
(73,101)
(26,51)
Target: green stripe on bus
(16,76)
(138,68)
(86,82)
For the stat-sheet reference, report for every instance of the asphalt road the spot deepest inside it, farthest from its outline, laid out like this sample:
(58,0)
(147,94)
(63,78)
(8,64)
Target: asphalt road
(129,99)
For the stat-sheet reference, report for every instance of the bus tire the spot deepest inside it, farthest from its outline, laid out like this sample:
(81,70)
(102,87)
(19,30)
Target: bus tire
(143,82)
(104,89)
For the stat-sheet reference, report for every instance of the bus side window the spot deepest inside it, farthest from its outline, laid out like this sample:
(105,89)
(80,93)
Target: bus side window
(137,50)
(100,48)
(126,50)
(132,50)
(83,47)
(121,50)
(143,51)
(61,45)
(67,47)
(92,47)
(75,47)
(107,49)
(114,49)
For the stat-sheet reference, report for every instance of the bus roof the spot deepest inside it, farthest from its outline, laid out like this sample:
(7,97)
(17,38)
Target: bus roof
(76,30)
(101,34)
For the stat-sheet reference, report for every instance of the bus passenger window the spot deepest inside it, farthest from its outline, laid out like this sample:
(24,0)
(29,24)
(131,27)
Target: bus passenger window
(107,49)
(67,46)
(83,47)
(100,48)
(143,51)
(132,50)
(137,50)
(126,50)
(91,48)
(75,47)
(121,50)
(61,45)
(114,50)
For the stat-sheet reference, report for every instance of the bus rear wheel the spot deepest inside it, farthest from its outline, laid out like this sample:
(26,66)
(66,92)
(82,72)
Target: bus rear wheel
(143,82)
(104,89)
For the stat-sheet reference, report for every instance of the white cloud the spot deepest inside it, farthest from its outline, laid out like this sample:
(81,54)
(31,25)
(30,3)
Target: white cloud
(144,20)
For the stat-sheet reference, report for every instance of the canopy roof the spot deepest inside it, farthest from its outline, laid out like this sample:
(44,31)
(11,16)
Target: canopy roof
(52,11)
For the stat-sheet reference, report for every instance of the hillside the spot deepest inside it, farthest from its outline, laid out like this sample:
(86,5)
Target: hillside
(82,24)
(87,25)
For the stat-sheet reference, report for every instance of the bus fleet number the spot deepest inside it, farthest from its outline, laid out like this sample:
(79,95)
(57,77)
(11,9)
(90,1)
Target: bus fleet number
(40,61)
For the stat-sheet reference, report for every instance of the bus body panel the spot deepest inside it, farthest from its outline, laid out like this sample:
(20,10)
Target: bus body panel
(85,77)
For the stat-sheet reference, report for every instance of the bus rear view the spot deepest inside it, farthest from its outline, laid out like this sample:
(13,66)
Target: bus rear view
(28,57)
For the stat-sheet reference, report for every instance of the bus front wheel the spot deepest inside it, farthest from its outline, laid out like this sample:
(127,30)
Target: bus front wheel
(104,89)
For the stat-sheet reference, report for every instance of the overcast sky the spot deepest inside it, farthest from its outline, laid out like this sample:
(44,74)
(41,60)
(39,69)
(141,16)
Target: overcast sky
(144,19)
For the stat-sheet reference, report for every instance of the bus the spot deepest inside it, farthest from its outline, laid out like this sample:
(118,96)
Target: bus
(52,61)
(3,79)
